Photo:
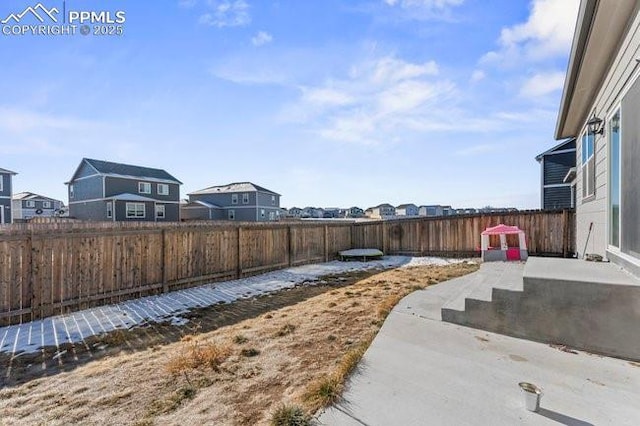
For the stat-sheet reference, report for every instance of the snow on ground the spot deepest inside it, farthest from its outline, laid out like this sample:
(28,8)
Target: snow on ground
(77,326)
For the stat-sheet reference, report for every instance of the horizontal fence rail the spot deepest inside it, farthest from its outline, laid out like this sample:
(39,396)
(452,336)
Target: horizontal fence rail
(52,268)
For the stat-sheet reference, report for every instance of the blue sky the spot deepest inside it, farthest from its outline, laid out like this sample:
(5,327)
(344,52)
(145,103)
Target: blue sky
(329,103)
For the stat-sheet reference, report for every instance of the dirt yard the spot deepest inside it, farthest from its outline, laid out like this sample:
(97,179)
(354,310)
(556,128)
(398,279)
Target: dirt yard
(231,364)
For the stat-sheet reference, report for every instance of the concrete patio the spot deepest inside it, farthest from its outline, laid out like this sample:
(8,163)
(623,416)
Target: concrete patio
(421,370)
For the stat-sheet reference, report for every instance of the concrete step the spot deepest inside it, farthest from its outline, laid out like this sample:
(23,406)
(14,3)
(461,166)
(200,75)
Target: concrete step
(481,285)
(585,305)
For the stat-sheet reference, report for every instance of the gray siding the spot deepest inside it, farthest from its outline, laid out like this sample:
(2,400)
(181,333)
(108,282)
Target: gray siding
(265,200)
(6,185)
(84,171)
(617,81)
(556,167)
(115,186)
(121,212)
(90,210)
(5,204)
(557,197)
(202,213)
(86,189)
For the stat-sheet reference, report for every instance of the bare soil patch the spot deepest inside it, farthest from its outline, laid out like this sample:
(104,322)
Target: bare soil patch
(231,364)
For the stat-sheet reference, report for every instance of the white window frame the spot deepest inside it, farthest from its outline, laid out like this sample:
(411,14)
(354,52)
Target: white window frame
(71,192)
(262,213)
(273,200)
(588,165)
(142,188)
(231,214)
(46,204)
(163,189)
(137,212)
(109,209)
(30,204)
(161,208)
(234,198)
(245,198)
(1,182)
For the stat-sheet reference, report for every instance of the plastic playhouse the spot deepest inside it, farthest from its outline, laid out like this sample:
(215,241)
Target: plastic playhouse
(504,252)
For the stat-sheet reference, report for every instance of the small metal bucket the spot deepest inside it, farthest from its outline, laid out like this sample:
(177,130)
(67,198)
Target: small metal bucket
(532,395)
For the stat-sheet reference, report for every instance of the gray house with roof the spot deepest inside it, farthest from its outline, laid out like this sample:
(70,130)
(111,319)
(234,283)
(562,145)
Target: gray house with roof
(558,166)
(107,191)
(239,201)
(27,205)
(6,189)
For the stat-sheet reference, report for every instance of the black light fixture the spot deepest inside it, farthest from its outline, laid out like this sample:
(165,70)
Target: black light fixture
(595,125)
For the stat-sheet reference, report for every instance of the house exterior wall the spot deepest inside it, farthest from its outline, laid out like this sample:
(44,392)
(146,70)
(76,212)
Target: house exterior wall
(115,185)
(22,212)
(5,198)
(5,203)
(121,212)
(620,77)
(95,210)
(89,188)
(407,211)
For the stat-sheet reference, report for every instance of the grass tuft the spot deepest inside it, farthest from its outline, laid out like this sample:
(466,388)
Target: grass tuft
(240,339)
(286,329)
(196,356)
(290,415)
(251,352)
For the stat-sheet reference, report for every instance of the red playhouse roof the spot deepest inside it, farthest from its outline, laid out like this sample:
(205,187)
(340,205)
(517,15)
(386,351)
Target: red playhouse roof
(502,229)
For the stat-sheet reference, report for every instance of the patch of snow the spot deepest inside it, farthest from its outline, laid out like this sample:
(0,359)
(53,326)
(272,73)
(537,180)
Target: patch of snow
(77,326)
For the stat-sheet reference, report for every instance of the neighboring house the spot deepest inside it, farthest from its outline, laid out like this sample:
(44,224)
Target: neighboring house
(381,211)
(354,212)
(6,188)
(599,107)
(294,212)
(239,201)
(107,191)
(331,213)
(466,211)
(555,164)
(27,205)
(312,213)
(431,211)
(407,210)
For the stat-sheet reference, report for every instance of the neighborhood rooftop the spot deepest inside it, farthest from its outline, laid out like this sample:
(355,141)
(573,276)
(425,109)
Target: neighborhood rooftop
(7,171)
(119,169)
(234,187)
(30,196)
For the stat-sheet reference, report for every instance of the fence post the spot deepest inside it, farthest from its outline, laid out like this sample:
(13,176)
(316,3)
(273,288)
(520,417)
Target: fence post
(239,267)
(352,227)
(565,233)
(289,246)
(326,243)
(164,258)
(27,284)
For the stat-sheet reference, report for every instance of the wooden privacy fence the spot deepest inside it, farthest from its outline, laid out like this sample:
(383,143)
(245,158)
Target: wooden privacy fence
(48,269)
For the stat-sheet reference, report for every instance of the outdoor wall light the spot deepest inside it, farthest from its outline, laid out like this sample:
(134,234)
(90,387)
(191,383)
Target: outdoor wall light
(595,125)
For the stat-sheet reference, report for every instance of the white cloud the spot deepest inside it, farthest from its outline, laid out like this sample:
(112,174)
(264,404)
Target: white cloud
(379,99)
(542,84)
(427,4)
(548,32)
(420,9)
(227,14)
(261,38)
(477,75)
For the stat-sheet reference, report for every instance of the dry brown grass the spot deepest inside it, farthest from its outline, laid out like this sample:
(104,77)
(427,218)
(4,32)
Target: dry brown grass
(305,352)
(196,355)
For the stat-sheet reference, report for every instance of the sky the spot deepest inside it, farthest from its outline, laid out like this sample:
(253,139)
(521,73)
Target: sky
(330,103)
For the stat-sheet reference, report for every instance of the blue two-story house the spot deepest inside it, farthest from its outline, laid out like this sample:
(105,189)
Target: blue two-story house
(107,191)
(240,201)
(6,189)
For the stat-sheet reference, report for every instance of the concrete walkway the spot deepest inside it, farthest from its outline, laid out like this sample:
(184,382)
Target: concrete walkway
(422,371)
